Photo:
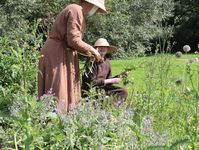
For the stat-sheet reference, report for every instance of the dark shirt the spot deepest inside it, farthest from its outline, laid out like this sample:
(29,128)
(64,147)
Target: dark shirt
(96,75)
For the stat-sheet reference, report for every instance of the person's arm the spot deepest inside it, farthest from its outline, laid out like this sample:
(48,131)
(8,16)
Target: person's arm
(99,82)
(112,81)
(74,34)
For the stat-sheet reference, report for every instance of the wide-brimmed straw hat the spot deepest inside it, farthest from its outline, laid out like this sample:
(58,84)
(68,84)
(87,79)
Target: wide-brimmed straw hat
(99,3)
(104,42)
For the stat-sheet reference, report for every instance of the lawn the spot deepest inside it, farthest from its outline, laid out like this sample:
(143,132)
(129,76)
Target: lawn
(176,67)
(161,112)
(165,91)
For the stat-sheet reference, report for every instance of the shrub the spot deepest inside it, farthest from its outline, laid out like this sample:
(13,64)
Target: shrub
(178,54)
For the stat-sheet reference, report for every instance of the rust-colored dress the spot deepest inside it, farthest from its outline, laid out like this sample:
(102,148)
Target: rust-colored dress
(59,65)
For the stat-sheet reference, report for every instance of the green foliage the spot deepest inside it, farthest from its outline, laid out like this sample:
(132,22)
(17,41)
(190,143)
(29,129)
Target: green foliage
(158,114)
(172,107)
(22,13)
(186,22)
(18,64)
(131,25)
(34,127)
(162,115)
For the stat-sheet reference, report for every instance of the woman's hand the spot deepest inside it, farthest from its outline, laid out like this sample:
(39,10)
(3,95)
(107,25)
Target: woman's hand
(96,54)
(112,81)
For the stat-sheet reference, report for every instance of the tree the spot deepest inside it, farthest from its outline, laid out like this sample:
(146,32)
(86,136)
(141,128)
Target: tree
(186,24)
(131,25)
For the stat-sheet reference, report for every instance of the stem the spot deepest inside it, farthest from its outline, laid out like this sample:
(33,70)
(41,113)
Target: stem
(15,138)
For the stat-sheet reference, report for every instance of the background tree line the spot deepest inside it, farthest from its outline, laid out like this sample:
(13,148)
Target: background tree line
(134,26)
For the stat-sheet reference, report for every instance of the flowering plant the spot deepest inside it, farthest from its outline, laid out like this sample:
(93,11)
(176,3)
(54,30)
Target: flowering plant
(186,48)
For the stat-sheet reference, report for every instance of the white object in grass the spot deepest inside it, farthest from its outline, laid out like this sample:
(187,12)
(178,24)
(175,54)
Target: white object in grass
(186,48)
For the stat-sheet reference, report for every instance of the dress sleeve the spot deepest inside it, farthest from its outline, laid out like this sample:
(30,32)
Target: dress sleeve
(75,32)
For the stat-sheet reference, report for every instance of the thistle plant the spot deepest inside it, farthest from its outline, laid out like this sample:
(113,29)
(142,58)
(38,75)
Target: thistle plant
(178,54)
(124,75)
(186,48)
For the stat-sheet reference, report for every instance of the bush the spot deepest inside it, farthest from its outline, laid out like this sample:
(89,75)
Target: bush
(178,54)
(130,27)
(18,64)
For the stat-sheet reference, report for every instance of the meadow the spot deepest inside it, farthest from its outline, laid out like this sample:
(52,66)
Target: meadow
(163,97)
(176,67)
(161,111)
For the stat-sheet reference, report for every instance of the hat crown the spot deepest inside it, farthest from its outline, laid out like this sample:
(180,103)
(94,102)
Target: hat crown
(102,42)
(99,3)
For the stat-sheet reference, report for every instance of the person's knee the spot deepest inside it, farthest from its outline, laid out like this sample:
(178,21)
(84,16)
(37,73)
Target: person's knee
(122,96)
(124,93)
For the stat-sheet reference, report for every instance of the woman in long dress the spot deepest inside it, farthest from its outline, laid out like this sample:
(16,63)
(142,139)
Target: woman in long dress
(59,65)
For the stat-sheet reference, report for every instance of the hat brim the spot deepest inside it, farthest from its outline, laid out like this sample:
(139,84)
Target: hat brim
(101,7)
(111,49)
(101,11)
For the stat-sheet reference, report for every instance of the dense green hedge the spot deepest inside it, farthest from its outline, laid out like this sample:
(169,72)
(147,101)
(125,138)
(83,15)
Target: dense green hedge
(130,25)
(186,24)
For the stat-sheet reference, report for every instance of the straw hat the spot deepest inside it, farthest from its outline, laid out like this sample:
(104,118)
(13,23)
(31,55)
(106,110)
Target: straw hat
(104,42)
(98,3)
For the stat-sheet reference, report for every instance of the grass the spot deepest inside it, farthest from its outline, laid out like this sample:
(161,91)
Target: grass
(177,68)
(158,114)
(155,93)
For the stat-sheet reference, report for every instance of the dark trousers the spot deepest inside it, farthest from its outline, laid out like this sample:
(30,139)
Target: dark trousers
(113,91)
(119,93)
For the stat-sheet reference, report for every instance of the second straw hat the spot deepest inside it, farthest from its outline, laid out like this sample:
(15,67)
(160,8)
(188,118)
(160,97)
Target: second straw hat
(104,42)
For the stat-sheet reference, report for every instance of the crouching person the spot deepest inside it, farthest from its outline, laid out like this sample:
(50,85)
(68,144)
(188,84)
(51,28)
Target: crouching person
(99,74)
